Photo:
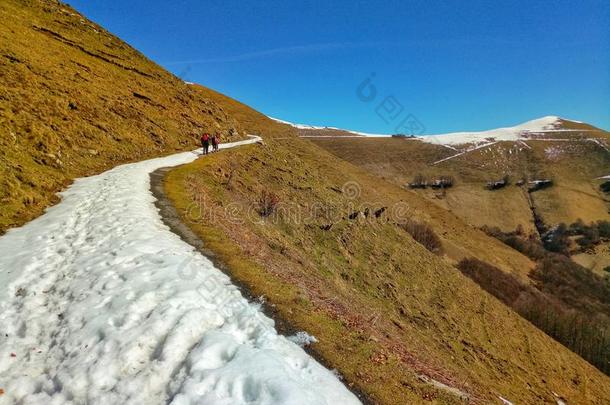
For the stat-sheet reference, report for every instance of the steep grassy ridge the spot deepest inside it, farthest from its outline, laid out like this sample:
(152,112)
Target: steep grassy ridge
(75,100)
(389,314)
(459,241)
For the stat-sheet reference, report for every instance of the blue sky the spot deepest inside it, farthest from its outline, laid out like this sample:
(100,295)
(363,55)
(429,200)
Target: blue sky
(452,65)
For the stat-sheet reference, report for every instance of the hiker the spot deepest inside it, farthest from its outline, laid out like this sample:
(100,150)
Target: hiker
(205,143)
(215,142)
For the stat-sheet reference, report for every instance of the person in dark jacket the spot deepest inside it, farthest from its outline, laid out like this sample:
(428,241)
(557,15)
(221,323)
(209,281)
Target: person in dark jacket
(205,143)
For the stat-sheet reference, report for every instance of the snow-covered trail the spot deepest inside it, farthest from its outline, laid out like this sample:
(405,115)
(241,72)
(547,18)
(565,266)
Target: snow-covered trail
(100,303)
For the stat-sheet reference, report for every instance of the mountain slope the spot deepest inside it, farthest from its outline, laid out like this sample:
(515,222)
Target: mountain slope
(542,127)
(571,154)
(401,323)
(75,100)
(550,125)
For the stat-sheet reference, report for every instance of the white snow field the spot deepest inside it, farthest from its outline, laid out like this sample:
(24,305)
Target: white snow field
(548,125)
(102,304)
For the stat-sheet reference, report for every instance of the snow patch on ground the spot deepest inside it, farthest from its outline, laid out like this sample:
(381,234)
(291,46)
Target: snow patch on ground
(102,304)
(302,339)
(553,153)
(601,143)
(443,387)
(465,151)
(505,401)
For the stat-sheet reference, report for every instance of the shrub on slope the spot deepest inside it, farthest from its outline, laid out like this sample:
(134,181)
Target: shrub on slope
(587,334)
(424,234)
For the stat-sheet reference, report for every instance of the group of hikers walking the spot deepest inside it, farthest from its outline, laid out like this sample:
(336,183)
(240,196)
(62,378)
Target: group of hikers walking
(206,140)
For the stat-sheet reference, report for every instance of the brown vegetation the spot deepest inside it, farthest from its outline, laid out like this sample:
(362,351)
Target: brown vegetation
(586,334)
(75,100)
(267,203)
(419,181)
(574,194)
(423,234)
(384,309)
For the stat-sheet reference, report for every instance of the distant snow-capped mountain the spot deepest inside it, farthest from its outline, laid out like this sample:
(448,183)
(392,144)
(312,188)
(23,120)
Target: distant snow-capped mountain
(536,127)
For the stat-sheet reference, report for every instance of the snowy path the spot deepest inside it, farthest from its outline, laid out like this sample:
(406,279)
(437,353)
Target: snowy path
(102,304)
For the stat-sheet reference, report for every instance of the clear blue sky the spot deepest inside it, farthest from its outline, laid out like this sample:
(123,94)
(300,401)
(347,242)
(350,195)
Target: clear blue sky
(454,65)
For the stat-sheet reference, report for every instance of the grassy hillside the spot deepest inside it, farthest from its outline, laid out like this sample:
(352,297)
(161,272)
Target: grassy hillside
(459,241)
(328,244)
(573,161)
(573,167)
(397,320)
(75,100)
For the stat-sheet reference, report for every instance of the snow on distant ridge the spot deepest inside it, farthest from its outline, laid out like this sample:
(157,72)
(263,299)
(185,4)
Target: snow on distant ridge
(299,126)
(550,123)
(303,126)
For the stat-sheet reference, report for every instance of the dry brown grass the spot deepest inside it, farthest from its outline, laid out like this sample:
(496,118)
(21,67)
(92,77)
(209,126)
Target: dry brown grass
(575,193)
(75,100)
(337,282)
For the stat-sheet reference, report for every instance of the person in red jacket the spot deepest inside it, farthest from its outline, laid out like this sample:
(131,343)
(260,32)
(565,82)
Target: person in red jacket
(205,143)
(215,142)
